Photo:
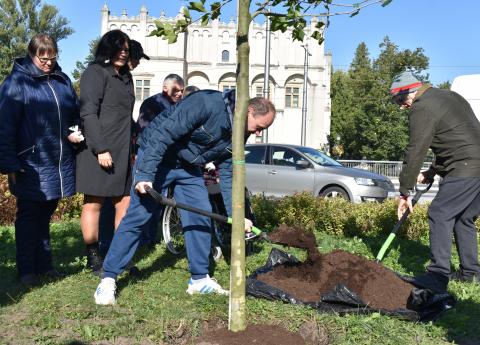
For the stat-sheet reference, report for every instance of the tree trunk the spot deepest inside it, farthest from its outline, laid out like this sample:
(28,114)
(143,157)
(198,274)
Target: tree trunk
(237,309)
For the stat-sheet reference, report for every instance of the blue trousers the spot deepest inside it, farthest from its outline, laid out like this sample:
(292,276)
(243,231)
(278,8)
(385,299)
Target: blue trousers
(32,236)
(189,189)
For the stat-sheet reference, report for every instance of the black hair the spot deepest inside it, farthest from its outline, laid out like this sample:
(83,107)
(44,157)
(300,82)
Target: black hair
(109,45)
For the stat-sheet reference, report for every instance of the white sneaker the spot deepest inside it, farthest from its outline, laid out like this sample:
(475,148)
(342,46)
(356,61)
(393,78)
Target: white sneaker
(105,293)
(205,285)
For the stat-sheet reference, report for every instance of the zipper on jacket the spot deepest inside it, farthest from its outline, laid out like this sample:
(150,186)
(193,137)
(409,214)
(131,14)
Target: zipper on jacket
(60,136)
(32,148)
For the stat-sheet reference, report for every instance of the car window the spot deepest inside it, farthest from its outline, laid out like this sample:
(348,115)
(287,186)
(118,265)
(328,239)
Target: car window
(318,157)
(284,156)
(255,154)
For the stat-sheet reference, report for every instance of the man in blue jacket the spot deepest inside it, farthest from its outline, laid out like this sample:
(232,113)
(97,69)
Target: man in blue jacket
(173,149)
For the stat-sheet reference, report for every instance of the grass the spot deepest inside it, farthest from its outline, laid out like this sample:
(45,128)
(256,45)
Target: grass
(155,309)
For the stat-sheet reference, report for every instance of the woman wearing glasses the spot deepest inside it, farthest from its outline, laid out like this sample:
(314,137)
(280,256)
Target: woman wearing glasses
(37,107)
(103,167)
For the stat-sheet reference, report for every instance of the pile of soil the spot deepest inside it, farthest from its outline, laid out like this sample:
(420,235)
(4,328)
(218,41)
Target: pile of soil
(254,334)
(377,286)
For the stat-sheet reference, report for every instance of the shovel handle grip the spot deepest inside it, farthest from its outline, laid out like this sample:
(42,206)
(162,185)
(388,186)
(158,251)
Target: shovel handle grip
(172,203)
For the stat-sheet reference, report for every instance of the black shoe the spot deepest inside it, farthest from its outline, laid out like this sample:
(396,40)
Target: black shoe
(53,275)
(431,280)
(459,276)
(29,280)
(94,259)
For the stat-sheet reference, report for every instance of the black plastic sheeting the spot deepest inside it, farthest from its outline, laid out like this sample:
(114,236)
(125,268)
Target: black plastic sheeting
(426,305)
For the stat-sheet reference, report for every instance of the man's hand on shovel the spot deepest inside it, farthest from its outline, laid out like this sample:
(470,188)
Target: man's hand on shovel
(404,203)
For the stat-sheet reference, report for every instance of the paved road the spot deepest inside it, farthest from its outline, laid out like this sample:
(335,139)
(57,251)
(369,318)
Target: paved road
(427,197)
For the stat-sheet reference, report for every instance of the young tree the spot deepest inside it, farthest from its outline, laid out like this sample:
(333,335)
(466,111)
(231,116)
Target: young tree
(284,15)
(19,21)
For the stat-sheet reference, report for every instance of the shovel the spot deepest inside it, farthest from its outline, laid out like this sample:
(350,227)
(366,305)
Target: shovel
(215,216)
(393,234)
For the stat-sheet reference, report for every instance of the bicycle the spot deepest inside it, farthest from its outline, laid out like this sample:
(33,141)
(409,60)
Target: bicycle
(221,233)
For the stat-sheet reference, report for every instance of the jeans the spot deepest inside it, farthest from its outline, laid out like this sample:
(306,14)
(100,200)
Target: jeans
(32,236)
(189,189)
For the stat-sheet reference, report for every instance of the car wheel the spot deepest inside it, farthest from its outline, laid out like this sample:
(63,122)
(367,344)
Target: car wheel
(335,192)
(172,231)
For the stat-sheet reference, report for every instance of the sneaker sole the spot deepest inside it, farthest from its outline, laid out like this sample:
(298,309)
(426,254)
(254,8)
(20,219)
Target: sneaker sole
(109,302)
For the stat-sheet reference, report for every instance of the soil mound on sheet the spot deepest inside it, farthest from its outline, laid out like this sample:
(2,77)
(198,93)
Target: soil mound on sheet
(376,285)
(254,334)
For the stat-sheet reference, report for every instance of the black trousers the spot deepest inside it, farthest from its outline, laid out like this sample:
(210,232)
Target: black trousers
(32,236)
(455,208)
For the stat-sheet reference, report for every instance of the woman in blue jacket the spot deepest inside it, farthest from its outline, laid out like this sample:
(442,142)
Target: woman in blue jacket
(37,107)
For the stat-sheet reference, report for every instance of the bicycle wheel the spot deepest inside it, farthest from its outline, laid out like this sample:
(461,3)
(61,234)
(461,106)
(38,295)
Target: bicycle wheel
(172,231)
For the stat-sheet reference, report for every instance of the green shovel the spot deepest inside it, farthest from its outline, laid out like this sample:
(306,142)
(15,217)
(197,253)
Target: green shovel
(393,234)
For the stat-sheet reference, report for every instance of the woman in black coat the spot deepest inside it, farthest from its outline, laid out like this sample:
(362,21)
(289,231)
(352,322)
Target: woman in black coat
(103,167)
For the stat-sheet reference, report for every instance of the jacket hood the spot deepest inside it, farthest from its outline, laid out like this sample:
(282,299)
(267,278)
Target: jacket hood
(26,65)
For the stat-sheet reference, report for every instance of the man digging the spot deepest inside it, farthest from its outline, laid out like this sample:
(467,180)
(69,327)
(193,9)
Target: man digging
(444,121)
(173,148)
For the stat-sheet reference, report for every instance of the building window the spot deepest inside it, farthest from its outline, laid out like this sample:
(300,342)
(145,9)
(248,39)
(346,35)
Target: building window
(292,96)
(142,89)
(225,56)
(224,86)
(259,91)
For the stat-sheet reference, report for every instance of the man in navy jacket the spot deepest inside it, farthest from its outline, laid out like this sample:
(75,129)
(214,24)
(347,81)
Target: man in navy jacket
(173,149)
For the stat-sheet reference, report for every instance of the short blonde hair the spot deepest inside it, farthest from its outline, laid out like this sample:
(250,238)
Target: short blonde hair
(41,44)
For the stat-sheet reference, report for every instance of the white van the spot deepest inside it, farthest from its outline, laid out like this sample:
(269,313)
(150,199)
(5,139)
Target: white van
(469,87)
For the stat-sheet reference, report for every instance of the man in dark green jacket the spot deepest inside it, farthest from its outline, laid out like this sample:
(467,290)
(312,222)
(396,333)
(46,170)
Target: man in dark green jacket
(443,121)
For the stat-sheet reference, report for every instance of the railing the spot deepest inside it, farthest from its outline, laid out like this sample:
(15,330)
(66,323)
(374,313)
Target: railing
(386,168)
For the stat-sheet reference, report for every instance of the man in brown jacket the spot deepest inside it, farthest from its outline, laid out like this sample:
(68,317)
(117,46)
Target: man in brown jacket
(443,121)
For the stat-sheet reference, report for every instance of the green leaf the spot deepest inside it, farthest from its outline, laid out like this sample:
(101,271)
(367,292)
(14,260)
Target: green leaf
(355,13)
(317,35)
(172,38)
(215,10)
(197,6)
(204,20)
(319,25)
(186,13)
(386,3)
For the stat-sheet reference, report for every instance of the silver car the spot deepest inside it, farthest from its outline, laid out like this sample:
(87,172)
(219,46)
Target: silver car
(279,170)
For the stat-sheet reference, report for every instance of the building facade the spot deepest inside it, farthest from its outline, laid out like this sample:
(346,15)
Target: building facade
(210,63)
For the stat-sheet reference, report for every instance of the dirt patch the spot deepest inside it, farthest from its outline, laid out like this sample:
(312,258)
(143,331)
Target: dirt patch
(254,334)
(377,286)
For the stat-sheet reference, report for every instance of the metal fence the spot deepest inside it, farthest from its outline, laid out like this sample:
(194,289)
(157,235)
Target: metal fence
(386,168)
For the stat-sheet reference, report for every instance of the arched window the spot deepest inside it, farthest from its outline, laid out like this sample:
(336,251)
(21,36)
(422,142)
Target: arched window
(225,56)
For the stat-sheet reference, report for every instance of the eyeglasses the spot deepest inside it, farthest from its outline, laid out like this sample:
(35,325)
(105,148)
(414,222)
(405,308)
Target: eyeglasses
(44,60)
(400,99)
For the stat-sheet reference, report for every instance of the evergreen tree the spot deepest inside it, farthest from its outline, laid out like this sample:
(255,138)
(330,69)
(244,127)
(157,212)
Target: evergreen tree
(20,20)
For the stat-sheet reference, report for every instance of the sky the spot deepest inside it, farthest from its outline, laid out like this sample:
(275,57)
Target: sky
(447,30)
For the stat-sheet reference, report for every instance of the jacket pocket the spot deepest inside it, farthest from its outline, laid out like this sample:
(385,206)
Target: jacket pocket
(202,136)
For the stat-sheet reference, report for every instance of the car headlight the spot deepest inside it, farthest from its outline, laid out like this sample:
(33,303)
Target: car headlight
(364,181)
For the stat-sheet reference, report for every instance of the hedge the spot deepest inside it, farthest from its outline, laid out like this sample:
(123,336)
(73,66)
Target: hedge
(68,208)
(332,216)
(339,217)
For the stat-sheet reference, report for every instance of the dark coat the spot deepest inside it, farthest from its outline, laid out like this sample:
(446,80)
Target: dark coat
(36,110)
(106,105)
(197,131)
(444,121)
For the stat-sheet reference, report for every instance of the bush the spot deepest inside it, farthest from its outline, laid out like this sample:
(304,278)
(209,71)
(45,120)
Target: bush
(68,208)
(339,217)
